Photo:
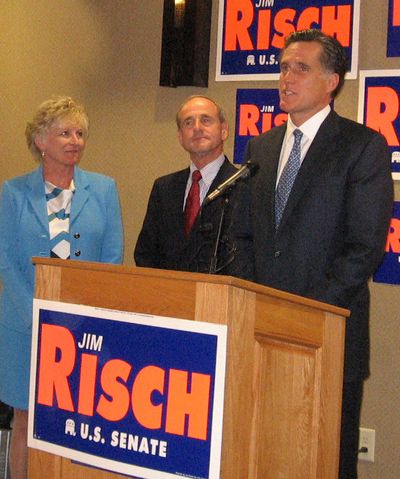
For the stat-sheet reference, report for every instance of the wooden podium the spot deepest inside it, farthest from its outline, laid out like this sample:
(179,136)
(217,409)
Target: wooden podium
(284,363)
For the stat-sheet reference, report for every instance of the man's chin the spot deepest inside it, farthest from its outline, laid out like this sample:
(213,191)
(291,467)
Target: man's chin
(285,106)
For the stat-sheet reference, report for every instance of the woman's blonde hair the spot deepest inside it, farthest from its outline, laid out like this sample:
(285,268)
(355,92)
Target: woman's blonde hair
(48,113)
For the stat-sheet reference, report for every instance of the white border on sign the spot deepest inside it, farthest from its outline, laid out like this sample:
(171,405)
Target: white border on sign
(350,75)
(361,95)
(219,330)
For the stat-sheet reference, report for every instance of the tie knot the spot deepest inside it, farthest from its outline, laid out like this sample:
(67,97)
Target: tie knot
(196,176)
(297,135)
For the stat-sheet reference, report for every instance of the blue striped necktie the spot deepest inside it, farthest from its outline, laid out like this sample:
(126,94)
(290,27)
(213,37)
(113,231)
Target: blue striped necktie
(287,178)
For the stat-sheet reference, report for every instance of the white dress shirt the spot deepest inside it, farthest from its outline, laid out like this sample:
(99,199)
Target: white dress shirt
(309,129)
(208,174)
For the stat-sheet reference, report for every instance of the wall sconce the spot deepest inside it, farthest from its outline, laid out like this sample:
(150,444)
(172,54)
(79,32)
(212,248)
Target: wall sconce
(185,43)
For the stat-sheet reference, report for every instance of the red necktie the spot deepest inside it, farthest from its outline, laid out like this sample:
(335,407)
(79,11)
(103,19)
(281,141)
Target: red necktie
(192,202)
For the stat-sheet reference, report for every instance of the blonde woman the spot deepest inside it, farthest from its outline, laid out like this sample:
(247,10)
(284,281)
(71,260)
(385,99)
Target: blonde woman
(58,210)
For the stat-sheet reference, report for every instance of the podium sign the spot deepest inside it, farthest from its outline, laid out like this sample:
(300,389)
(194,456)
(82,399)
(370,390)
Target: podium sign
(137,394)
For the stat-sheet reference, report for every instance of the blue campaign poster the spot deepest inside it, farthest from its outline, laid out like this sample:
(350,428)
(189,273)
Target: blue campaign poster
(393,30)
(127,392)
(379,106)
(251,33)
(257,111)
(389,270)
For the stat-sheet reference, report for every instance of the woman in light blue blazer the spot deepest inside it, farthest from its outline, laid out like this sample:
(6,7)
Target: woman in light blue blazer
(58,210)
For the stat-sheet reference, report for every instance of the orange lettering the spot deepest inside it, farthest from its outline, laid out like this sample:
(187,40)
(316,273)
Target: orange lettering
(56,342)
(336,21)
(87,384)
(149,379)
(396,13)
(249,116)
(264,29)
(195,404)
(239,17)
(116,408)
(280,119)
(382,110)
(266,122)
(283,24)
(307,18)
(393,239)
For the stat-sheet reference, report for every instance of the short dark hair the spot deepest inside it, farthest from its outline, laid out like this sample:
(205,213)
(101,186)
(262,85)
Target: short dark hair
(333,57)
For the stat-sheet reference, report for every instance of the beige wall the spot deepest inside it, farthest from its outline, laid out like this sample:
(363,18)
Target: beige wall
(106,53)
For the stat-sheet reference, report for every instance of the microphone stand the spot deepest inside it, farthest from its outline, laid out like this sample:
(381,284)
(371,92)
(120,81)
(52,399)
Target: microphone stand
(214,258)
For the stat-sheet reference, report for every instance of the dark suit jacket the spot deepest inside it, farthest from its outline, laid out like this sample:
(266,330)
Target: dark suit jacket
(162,243)
(332,234)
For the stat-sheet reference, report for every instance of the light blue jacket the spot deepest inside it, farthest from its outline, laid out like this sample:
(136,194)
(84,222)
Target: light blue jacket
(95,235)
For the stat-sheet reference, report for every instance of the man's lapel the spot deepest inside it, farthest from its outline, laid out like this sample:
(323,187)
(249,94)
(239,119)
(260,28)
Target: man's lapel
(317,158)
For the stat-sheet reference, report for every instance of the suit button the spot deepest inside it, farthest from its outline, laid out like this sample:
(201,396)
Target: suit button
(277,254)
(77,235)
(77,253)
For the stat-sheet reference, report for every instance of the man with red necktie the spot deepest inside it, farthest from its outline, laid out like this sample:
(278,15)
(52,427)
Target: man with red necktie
(177,232)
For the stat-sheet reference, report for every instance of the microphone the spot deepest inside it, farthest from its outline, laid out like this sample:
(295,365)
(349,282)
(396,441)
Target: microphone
(246,171)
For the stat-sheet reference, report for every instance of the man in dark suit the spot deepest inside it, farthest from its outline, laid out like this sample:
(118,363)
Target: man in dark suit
(321,232)
(166,240)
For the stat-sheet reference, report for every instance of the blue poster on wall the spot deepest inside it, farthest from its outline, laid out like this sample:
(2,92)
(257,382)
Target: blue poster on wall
(393,30)
(130,393)
(389,270)
(257,111)
(379,107)
(251,33)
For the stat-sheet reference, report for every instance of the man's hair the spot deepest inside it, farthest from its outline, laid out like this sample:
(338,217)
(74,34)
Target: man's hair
(333,58)
(220,110)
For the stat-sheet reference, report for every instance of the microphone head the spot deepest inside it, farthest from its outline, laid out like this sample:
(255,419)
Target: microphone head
(249,169)
(252,166)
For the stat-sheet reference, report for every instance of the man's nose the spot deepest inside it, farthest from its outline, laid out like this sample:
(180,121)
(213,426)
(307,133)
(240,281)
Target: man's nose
(287,74)
(197,124)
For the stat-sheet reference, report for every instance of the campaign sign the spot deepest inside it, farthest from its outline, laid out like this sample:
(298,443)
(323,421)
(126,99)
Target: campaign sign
(393,30)
(136,394)
(257,111)
(251,33)
(379,106)
(389,270)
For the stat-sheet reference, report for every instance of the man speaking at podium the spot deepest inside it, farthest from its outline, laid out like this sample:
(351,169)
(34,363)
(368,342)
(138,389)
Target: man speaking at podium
(186,230)
(322,203)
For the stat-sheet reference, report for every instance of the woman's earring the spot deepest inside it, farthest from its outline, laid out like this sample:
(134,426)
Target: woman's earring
(43,153)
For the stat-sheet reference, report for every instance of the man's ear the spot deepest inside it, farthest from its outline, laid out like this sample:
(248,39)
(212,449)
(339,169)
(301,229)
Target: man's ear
(333,82)
(179,136)
(224,130)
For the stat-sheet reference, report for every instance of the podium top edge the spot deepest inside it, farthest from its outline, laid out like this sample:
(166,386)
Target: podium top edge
(192,277)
